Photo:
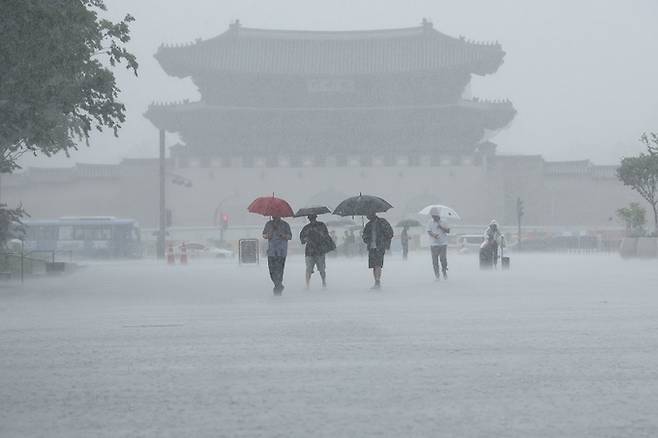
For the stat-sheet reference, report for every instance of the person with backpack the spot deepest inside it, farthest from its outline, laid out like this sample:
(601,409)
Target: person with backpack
(315,236)
(494,240)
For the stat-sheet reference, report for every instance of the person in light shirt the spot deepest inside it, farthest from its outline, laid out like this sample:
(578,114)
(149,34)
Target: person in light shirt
(438,232)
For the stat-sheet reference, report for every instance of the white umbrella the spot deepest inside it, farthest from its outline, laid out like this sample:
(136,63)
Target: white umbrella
(442,210)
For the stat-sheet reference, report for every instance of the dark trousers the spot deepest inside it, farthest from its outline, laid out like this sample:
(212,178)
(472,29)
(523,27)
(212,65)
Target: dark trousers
(439,252)
(276,266)
(405,250)
(494,253)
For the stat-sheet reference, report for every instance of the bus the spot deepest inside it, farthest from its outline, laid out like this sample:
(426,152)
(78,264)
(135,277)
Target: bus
(90,236)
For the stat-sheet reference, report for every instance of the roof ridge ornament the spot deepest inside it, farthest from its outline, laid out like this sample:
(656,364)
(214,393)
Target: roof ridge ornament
(427,24)
(235,25)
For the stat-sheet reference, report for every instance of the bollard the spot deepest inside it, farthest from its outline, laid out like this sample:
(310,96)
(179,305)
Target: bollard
(183,254)
(171,258)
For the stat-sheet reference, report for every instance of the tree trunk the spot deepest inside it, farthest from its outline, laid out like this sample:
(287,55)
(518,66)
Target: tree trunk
(655,219)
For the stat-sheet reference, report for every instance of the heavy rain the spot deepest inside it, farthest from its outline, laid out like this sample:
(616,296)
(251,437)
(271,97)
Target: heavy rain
(311,218)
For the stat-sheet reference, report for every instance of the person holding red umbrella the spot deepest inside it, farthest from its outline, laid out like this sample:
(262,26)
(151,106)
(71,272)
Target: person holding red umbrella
(277,233)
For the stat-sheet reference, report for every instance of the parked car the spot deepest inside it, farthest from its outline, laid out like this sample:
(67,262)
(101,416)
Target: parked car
(201,250)
(469,242)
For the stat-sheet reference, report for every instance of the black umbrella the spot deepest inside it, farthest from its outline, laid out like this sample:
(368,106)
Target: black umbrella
(362,205)
(409,223)
(316,210)
(340,223)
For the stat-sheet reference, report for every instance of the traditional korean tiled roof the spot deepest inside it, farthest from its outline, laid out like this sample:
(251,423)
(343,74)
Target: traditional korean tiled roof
(246,50)
(177,117)
(185,106)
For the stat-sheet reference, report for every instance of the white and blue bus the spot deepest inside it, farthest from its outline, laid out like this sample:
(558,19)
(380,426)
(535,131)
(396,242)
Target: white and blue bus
(91,236)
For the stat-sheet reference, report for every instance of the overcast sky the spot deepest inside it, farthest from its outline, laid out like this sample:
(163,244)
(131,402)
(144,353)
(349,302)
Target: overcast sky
(582,74)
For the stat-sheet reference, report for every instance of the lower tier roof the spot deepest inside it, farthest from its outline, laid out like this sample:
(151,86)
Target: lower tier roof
(458,126)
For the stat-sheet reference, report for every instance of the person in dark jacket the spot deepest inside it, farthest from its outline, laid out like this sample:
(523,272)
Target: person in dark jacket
(377,235)
(404,241)
(315,236)
(277,233)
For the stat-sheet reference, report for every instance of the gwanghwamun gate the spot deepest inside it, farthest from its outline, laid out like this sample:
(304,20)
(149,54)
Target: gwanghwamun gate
(318,116)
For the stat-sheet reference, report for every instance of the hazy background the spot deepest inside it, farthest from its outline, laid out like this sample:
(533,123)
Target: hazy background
(582,75)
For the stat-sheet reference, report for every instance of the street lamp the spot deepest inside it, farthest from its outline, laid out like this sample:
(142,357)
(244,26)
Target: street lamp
(520,212)
(162,225)
(177,179)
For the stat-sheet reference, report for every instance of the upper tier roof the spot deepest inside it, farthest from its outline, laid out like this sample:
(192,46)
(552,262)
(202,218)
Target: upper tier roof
(245,50)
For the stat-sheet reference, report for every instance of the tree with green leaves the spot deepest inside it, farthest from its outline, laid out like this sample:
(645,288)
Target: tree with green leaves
(635,218)
(9,218)
(56,79)
(641,174)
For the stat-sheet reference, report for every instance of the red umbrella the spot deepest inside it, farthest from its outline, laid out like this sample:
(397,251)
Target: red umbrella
(271,206)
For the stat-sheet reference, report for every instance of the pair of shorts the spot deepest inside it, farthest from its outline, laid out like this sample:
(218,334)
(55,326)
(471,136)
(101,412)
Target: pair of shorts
(315,261)
(376,258)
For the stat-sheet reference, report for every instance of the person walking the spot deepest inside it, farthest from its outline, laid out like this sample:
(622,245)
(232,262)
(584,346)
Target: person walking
(347,246)
(360,244)
(404,241)
(315,236)
(377,235)
(494,240)
(334,239)
(277,233)
(438,232)
(351,239)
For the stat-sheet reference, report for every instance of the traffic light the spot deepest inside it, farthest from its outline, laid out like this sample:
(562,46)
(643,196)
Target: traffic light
(520,210)
(225,220)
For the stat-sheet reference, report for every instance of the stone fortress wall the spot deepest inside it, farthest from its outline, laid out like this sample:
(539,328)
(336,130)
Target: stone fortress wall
(576,194)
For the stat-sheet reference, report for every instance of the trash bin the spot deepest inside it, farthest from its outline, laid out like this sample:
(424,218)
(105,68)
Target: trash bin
(248,252)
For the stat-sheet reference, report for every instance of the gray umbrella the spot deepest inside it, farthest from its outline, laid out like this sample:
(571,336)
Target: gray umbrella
(362,205)
(340,223)
(409,223)
(315,210)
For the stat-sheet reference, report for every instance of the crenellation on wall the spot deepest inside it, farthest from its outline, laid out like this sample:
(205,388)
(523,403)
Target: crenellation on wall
(480,193)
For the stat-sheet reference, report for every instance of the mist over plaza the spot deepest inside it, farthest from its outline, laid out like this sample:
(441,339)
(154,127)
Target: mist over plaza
(344,219)
(575,71)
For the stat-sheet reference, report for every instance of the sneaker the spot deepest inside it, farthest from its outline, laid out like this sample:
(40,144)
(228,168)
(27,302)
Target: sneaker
(376,286)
